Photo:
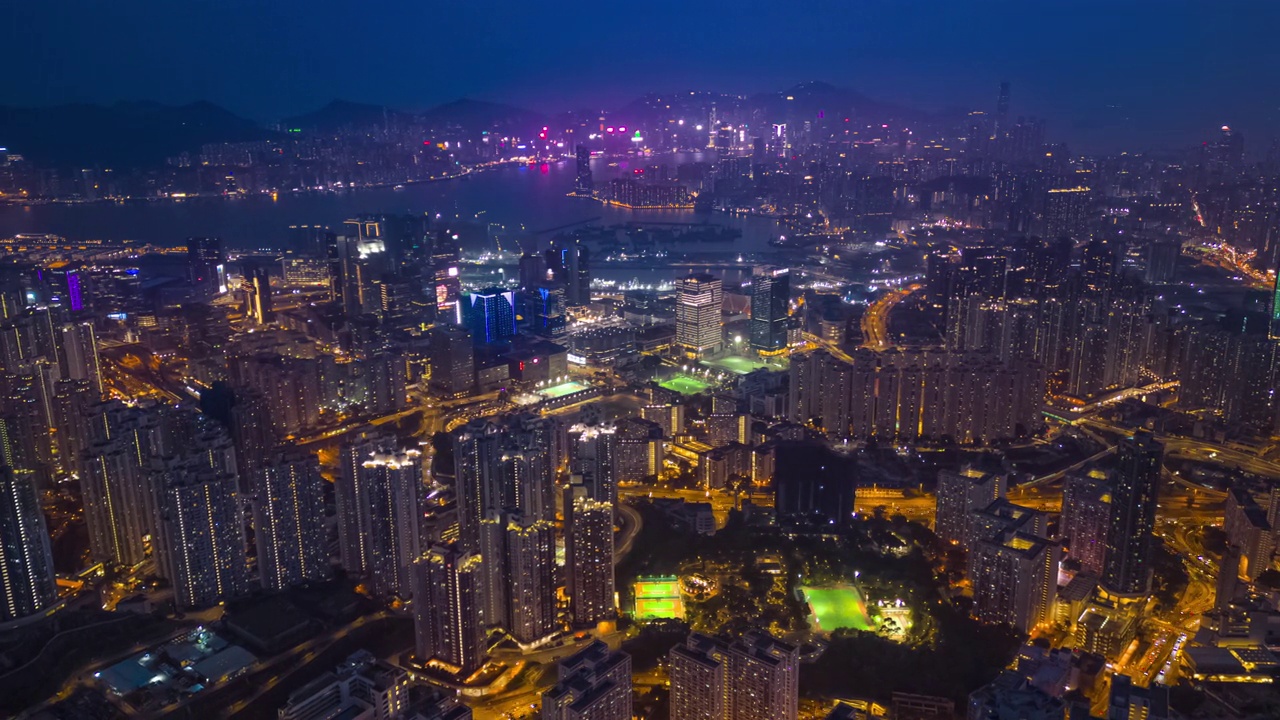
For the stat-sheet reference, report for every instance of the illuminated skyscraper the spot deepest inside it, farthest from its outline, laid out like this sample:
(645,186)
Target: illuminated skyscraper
(639,450)
(770,295)
(765,678)
(1002,110)
(1247,528)
(377,492)
(489,314)
(1066,213)
(700,679)
(960,494)
(504,468)
(583,185)
(207,265)
(198,524)
(1086,518)
(453,368)
(1015,579)
(544,306)
(592,447)
(115,482)
(79,360)
(26,560)
(530,570)
(444,260)
(288,520)
(446,609)
(588,540)
(570,266)
(1133,515)
(504,465)
(699,298)
(258,295)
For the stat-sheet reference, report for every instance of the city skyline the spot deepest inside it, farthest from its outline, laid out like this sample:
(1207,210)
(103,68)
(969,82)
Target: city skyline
(785,403)
(1102,87)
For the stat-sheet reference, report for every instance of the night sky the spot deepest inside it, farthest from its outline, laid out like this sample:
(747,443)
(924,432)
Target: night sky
(1133,74)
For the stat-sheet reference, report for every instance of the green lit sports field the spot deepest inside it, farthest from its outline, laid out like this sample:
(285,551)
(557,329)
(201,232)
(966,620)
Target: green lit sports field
(656,589)
(836,607)
(657,608)
(658,598)
(735,364)
(559,391)
(685,384)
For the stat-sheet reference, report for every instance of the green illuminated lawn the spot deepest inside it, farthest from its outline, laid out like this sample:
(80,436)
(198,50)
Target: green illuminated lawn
(559,391)
(656,590)
(685,384)
(658,598)
(836,607)
(653,608)
(735,364)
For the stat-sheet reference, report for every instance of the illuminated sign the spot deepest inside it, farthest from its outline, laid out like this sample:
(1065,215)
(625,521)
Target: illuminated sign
(576,359)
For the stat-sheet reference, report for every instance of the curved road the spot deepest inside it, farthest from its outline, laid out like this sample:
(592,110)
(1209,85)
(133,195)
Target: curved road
(629,524)
(875,321)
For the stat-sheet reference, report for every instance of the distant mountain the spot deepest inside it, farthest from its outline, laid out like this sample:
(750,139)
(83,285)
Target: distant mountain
(343,114)
(810,98)
(142,134)
(120,136)
(470,114)
(475,114)
(658,107)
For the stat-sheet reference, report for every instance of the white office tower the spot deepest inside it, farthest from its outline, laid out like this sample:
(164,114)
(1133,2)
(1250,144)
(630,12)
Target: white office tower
(699,299)
(378,511)
(446,610)
(594,684)
(288,520)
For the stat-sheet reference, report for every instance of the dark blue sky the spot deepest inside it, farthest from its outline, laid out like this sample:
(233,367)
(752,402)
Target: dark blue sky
(1125,73)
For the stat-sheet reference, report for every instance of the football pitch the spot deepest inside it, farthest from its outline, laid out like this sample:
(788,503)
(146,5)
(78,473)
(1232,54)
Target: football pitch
(685,384)
(836,607)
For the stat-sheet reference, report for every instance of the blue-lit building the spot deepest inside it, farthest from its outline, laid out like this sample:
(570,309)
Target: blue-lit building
(489,314)
(544,311)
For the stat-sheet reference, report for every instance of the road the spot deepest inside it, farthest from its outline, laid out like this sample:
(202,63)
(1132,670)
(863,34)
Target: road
(875,321)
(630,523)
(297,659)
